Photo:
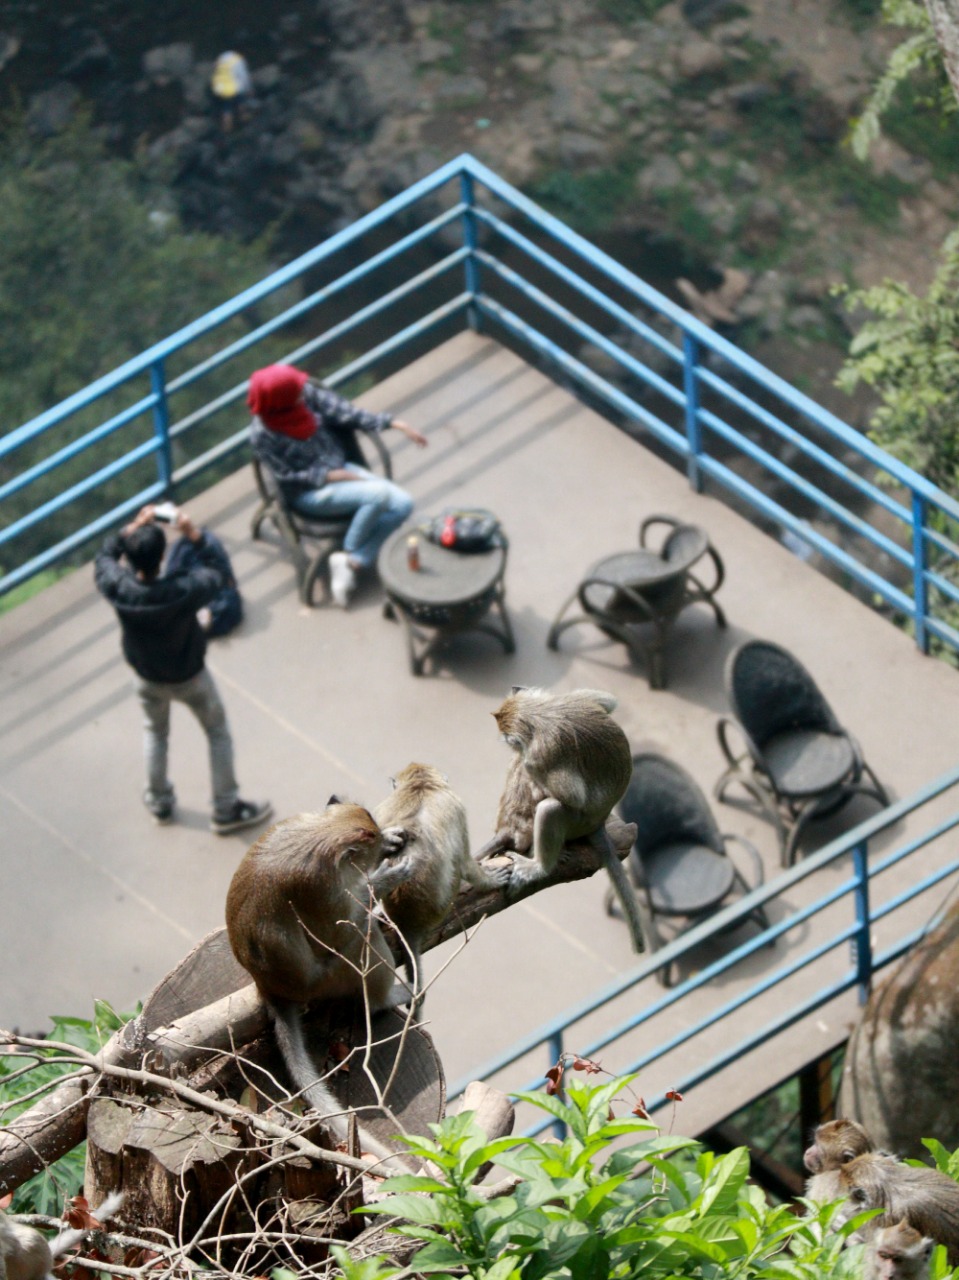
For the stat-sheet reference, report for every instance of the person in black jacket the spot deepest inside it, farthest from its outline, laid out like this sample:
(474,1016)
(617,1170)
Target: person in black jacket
(166,647)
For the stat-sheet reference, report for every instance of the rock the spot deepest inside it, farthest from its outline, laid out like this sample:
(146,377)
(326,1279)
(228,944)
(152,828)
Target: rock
(528,64)
(661,174)
(700,13)
(266,79)
(579,151)
(887,157)
(901,1073)
(169,62)
(697,58)
(465,90)
(85,52)
(426,52)
(51,110)
(762,225)
(9,48)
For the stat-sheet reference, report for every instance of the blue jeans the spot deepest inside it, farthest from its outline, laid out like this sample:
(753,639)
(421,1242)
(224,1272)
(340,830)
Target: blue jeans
(200,694)
(377,506)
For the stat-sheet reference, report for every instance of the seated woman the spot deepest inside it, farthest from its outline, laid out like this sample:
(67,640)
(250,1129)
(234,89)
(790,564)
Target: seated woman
(298,432)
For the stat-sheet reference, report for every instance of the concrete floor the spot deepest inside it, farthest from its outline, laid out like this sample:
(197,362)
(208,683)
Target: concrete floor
(100,903)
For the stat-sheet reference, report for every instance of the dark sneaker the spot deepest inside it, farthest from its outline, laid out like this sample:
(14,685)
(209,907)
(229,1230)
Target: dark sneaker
(245,814)
(161,811)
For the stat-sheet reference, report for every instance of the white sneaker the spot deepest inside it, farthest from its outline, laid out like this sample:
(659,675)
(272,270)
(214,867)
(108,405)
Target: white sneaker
(342,578)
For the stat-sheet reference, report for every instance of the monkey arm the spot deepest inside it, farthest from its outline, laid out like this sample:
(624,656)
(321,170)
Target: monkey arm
(578,860)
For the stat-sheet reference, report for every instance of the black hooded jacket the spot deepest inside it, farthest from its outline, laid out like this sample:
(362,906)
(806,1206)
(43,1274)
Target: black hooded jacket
(162,640)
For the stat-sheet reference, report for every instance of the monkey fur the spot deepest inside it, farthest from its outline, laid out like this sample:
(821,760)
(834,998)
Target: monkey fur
(299,919)
(922,1197)
(899,1252)
(572,764)
(427,819)
(25,1254)
(834,1144)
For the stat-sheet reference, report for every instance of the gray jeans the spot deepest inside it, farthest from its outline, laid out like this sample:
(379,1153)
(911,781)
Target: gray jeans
(200,694)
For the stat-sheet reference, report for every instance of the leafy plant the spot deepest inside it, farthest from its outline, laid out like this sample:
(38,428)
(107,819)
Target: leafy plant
(24,1077)
(615,1198)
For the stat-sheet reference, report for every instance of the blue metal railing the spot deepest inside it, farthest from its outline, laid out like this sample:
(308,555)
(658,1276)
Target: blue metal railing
(481,254)
(853,897)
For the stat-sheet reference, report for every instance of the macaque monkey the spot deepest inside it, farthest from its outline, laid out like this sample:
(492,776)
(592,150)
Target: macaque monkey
(898,1253)
(299,919)
(25,1254)
(572,764)
(425,818)
(922,1197)
(834,1144)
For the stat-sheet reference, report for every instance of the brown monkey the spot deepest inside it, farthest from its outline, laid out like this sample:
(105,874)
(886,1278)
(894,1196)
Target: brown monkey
(299,918)
(924,1198)
(898,1253)
(425,817)
(25,1254)
(573,763)
(834,1144)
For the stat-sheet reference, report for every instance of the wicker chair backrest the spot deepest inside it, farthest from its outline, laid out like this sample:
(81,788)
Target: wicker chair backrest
(667,806)
(770,692)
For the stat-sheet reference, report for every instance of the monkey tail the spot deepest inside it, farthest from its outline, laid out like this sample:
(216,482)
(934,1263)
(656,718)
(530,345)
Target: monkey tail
(288,1025)
(624,891)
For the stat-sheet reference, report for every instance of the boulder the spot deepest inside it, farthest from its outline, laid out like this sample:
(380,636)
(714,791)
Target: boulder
(901,1074)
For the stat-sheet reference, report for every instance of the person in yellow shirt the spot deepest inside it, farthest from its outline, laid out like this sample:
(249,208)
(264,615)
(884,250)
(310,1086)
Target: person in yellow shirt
(232,87)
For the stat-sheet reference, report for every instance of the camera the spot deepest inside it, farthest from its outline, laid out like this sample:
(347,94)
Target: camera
(166,512)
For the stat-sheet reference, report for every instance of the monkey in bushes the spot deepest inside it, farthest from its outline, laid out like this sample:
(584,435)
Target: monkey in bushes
(424,817)
(299,919)
(572,764)
(834,1144)
(922,1197)
(898,1253)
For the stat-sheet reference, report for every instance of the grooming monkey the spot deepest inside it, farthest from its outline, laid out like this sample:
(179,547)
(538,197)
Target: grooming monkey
(25,1254)
(299,919)
(572,764)
(924,1198)
(426,818)
(834,1144)
(898,1253)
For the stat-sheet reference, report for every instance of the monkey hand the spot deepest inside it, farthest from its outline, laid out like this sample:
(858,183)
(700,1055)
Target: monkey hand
(389,875)
(523,871)
(395,839)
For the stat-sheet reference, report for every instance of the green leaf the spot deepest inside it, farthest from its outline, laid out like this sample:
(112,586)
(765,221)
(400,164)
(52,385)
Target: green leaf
(413,1208)
(726,1178)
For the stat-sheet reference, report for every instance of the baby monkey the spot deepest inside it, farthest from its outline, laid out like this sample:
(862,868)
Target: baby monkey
(834,1144)
(25,1254)
(424,817)
(572,764)
(898,1253)
(299,919)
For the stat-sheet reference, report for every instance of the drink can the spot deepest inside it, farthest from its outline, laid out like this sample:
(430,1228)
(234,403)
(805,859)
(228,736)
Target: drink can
(413,553)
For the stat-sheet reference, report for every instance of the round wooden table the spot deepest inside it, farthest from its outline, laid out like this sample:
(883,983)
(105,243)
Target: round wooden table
(451,591)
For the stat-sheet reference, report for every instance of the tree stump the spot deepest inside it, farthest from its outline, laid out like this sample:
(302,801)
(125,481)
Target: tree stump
(197,1177)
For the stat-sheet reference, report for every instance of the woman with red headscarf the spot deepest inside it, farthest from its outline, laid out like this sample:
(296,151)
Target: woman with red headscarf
(298,432)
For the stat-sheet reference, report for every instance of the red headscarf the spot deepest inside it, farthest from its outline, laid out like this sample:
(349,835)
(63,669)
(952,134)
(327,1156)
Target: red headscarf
(274,396)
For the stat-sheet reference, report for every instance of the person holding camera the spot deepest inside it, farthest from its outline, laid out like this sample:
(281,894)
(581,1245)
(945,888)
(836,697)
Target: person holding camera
(165,645)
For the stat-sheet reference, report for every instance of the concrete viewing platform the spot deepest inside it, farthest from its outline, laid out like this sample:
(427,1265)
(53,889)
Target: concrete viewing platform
(98,902)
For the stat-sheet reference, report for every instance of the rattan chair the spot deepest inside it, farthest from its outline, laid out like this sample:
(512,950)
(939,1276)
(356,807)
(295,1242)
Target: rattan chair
(636,596)
(312,542)
(798,762)
(679,860)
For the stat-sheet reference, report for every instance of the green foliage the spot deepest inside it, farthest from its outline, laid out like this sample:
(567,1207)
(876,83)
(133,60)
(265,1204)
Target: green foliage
(909,353)
(580,1211)
(589,202)
(26,1076)
(95,269)
(918,53)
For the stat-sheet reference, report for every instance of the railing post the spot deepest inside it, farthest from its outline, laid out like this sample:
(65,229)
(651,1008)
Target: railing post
(862,940)
(920,589)
(694,435)
(555,1046)
(161,425)
(468,196)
